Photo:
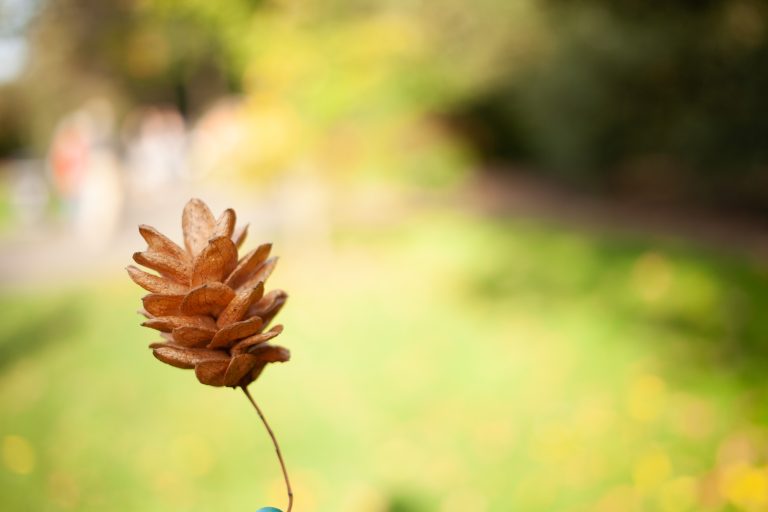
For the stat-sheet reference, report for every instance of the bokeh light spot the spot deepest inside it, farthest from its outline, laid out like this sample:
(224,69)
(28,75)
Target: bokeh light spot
(745,486)
(647,397)
(18,455)
(651,469)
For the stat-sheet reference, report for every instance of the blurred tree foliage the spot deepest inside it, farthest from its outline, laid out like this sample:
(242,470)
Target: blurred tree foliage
(653,98)
(12,125)
(133,53)
(650,98)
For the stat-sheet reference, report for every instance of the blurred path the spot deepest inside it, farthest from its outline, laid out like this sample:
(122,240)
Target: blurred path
(524,195)
(56,254)
(295,214)
(292,211)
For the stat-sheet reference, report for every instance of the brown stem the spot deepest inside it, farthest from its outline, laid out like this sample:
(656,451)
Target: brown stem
(277,448)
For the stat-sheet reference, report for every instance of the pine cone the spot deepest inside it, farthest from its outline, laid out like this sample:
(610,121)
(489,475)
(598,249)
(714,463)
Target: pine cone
(209,306)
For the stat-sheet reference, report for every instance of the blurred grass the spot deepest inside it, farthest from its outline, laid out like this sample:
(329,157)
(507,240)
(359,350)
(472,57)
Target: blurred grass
(447,363)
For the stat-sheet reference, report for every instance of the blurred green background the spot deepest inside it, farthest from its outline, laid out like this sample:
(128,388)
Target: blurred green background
(525,242)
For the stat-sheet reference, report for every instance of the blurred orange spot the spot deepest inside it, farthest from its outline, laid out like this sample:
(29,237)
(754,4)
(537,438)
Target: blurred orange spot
(693,418)
(737,448)
(63,490)
(618,499)
(708,493)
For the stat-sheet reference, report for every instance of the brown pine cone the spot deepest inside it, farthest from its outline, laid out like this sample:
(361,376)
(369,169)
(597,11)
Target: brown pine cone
(209,306)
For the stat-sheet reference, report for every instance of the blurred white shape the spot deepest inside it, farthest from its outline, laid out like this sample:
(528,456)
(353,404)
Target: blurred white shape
(156,155)
(86,172)
(216,137)
(13,57)
(15,15)
(75,137)
(100,200)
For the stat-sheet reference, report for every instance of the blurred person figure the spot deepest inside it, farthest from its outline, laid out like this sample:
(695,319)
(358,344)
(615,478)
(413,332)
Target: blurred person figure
(68,157)
(86,172)
(217,137)
(156,154)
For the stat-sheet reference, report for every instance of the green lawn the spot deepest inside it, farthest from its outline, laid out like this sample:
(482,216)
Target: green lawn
(449,363)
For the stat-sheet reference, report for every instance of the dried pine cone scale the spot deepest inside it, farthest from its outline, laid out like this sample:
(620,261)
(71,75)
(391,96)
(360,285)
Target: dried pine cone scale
(210,306)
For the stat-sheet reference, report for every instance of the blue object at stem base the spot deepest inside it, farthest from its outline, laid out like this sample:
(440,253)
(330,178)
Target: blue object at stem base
(269,509)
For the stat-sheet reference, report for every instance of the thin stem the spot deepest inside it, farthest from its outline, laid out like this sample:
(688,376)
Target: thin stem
(277,448)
